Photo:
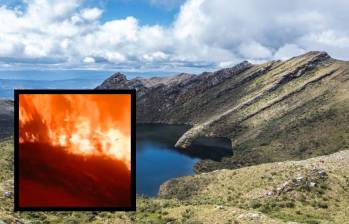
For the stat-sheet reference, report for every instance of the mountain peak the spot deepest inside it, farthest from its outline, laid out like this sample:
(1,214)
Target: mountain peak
(323,55)
(118,77)
(114,80)
(238,67)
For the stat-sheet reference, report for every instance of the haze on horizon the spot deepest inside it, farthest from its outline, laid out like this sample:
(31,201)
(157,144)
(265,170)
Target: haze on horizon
(176,35)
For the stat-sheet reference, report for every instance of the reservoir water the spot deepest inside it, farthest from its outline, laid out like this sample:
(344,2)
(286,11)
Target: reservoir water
(158,161)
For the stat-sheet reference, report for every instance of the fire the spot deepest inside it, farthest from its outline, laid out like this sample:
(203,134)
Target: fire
(87,124)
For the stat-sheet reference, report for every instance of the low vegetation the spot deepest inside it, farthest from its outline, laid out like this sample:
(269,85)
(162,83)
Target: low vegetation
(310,191)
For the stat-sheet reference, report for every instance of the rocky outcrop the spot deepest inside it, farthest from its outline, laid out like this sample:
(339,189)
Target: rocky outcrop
(6,118)
(160,98)
(311,179)
(142,85)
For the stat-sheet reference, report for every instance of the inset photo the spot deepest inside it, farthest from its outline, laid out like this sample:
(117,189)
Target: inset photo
(74,150)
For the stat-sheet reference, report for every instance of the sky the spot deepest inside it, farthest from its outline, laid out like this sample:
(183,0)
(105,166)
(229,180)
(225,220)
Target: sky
(166,35)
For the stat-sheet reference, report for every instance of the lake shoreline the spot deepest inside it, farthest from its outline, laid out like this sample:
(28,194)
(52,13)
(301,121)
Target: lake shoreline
(158,161)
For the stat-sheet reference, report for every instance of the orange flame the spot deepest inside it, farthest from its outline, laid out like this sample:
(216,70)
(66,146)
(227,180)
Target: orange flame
(85,124)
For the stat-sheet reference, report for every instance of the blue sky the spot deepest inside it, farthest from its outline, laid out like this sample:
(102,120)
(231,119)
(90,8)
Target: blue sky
(147,15)
(149,12)
(146,12)
(166,35)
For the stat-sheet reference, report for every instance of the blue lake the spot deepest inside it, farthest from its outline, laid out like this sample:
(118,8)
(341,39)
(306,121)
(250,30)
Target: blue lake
(158,161)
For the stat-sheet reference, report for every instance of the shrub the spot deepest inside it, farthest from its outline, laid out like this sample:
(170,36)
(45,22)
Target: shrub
(255,204)
(322,204)
(289,204)
(302,198)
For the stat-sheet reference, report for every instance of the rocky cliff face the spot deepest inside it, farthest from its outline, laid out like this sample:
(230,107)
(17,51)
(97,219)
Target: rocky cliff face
(6,118)
(161,99)
(274,111)
(143,85)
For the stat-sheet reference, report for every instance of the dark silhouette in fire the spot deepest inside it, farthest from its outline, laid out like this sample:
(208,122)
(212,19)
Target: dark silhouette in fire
(50,176)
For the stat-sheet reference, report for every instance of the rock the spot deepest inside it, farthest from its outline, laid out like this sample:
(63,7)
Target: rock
(255,215)
(283,187)
(269,193)
(220,207)
(251,216)
(322,173)
(312,184)
(284,184)
(299,179)
(7,194)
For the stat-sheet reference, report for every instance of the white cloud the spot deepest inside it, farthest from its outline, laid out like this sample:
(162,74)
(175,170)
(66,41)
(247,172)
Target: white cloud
(115,57)
(231,29)
(288,51)
(204,33)
(155,56)
(89,60)
(91,13)
(255,50)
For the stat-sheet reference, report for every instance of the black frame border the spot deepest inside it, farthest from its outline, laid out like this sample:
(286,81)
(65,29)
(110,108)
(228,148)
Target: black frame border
(131,92)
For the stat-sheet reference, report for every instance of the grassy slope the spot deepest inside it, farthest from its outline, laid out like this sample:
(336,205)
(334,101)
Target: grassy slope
(247,188)
(299,119)
(225,196)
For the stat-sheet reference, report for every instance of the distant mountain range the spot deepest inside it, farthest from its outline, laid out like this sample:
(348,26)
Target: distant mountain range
(8,85)
(274,111)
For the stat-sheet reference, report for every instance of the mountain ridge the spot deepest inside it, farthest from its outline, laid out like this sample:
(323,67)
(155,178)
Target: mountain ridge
(252,105)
